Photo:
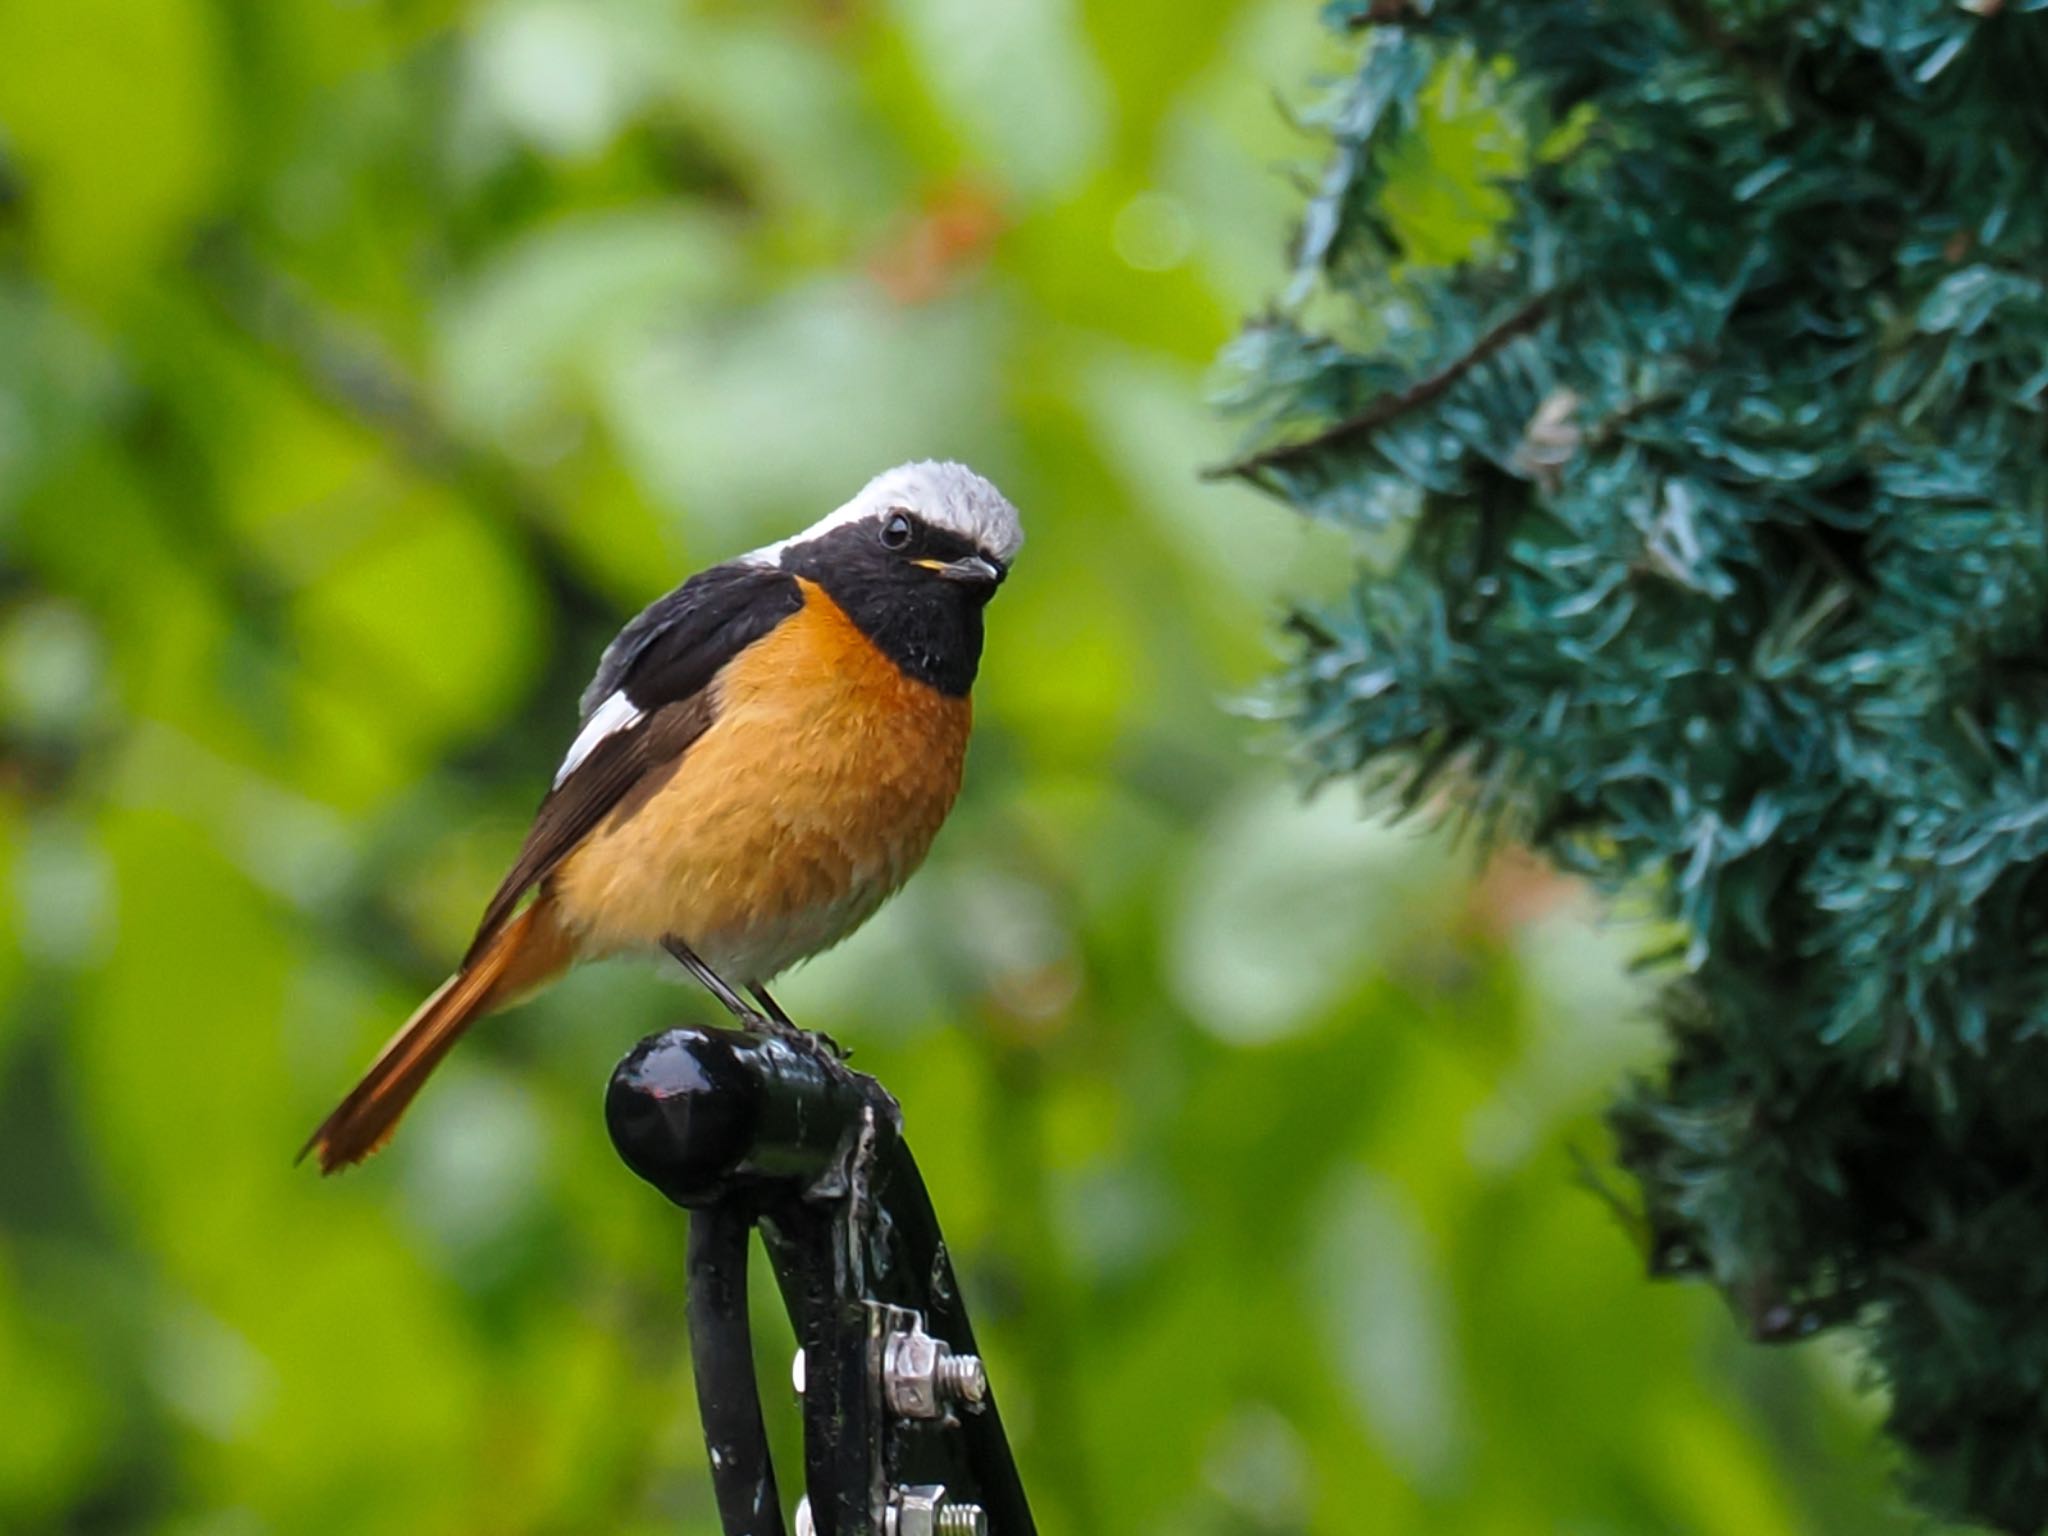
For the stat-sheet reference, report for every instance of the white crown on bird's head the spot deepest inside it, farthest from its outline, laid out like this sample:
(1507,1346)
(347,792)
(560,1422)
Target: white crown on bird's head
(946,495)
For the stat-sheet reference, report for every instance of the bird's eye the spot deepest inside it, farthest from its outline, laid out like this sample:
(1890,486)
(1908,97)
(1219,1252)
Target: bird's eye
(896,530)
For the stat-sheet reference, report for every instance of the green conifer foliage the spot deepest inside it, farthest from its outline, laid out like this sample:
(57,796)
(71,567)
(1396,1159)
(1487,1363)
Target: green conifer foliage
(1716,477)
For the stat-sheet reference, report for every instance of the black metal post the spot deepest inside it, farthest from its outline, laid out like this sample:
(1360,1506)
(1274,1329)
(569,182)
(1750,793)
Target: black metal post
(722,1358)
(901,1434)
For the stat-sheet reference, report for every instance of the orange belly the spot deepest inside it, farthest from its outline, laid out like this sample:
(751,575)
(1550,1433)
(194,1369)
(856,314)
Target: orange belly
(811,798)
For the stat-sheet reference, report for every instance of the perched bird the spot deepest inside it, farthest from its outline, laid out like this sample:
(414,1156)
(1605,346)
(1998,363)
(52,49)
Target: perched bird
(765,756)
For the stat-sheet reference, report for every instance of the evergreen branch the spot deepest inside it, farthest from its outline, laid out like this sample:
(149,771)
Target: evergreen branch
(1700,24)
(1769,654)
(1390,408)
(1617,421)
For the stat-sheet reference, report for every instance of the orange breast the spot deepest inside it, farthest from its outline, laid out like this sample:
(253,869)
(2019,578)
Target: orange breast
(816,791)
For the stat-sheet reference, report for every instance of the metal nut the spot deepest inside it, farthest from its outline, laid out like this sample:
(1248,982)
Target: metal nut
(922,1378)
(924,1510)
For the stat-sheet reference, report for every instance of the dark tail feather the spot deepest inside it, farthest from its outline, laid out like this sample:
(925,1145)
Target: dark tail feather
(523,953)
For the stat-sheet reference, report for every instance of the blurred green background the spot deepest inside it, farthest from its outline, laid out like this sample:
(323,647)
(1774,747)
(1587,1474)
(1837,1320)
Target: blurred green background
(362,364)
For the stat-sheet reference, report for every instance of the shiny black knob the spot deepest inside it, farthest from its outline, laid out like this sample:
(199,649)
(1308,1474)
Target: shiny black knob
(681,1109)
(701,1113)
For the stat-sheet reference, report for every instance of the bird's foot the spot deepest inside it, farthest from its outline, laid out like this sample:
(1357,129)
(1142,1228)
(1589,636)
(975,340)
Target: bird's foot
(811,1042)
(783,1027)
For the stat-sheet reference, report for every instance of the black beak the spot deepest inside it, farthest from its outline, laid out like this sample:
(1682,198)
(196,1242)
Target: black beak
(972,568)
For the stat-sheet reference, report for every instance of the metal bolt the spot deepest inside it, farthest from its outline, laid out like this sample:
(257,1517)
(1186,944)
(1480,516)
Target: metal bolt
(924,1510)
(922,1377)
(963,1379)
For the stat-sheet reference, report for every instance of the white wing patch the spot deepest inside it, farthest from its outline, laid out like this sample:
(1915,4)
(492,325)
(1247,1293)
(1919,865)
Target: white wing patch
(616,713)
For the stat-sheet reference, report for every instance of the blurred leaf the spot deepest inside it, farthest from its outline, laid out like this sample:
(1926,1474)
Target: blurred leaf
(1379,1317)
(114,109)
(1260,947)
(1021,81)
(428,618)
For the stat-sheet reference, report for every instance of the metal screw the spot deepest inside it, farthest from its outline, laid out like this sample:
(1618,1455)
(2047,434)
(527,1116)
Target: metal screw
(924,1510)
(922,1377)
(963,1379)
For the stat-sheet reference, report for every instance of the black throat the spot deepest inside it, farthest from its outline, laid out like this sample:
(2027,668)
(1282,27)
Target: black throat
(928,626)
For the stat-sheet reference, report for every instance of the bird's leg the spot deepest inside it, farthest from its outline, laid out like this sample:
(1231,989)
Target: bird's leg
(772,1022)
(714,983)
(771,1007)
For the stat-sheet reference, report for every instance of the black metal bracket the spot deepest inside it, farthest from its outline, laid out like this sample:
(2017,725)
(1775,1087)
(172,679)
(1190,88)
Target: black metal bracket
(901,1433)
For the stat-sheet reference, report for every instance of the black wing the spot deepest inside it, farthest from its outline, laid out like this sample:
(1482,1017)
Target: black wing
(676,644)
(663,662)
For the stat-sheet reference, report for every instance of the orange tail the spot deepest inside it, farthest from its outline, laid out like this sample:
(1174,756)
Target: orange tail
(527,951)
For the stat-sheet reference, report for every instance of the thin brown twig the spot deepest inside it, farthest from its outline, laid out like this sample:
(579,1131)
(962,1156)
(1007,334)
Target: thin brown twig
(1609,427)
(351,372)
(348,370)
(1388,408)
(1387,13)
(1705,31)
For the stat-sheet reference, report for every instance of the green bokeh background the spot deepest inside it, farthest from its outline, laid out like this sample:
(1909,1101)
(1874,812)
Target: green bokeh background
(362,365)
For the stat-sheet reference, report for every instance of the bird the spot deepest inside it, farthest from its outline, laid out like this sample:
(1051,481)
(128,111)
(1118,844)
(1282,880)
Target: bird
(763,758)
